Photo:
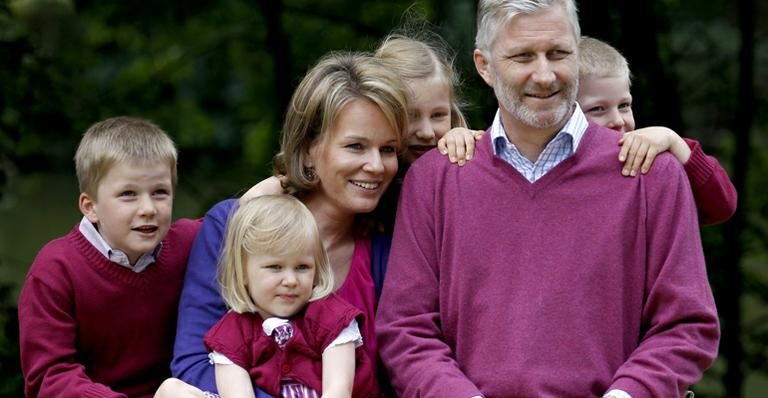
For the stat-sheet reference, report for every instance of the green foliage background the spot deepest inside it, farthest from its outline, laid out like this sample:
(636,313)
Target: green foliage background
(217,75)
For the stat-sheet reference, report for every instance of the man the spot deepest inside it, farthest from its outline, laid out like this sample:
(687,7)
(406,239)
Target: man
(537,270)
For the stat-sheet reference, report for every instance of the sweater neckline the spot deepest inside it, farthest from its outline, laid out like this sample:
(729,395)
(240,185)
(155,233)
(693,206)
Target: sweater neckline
(112,270)
(553,175)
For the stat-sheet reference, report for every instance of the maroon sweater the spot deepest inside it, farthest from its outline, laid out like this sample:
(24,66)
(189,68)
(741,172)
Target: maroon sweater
(93,328)
(714,193)
(579,283)
(241,339)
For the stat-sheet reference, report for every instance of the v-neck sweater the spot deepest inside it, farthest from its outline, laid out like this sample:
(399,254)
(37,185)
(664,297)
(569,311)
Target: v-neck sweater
(581,282)
(93,328)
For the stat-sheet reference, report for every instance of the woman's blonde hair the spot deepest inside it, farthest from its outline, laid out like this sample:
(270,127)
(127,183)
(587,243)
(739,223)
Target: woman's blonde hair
(338,79)
(274,225)
(419,56)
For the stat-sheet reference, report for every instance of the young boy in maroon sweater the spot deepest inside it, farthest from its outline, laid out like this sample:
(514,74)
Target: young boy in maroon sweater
(98,307)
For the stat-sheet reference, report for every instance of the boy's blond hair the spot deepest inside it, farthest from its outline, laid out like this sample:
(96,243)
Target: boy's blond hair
(422,58)
(599,59)
(274,225)
(117,140)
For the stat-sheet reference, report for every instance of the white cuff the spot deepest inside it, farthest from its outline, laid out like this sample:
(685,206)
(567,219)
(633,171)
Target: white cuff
(616,393)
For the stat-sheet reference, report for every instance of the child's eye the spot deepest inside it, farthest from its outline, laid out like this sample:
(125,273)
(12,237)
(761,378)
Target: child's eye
(303,267)
(439,115)
(625,106)
(274,267)
(161,192)
(127,194)
(595,109)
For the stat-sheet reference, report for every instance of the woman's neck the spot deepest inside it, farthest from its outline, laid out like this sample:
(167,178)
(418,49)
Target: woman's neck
(337,234)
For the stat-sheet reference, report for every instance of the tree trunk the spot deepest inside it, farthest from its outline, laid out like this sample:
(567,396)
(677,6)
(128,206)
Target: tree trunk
(277,44)
(731,311)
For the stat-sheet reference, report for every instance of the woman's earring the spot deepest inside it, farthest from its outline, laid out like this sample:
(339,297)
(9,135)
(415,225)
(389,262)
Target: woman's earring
(309,173)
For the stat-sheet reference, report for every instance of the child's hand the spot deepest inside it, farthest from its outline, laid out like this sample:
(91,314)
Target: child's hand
(640,147)
(270,186)
(459,144)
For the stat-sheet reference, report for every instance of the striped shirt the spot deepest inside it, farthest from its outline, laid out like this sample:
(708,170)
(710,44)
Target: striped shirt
(558,149)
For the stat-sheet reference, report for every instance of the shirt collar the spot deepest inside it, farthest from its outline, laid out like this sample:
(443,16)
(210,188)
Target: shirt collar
(269,324)
(93,236)
(575,127)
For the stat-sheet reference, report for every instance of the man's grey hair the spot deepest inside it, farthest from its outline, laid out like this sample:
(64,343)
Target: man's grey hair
(491,14)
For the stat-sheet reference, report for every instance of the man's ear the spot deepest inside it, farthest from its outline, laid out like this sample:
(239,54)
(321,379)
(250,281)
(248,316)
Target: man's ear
(482,64)
(88,207)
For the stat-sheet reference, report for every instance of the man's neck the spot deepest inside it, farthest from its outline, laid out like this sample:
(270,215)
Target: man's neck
(530,141)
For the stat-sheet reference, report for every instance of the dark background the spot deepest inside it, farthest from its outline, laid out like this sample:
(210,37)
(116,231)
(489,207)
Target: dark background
(217,75)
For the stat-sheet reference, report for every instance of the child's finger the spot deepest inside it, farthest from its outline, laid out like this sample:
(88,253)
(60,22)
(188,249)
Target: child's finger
(441,147)
(470,143)
(626,144)
(649,158)
(631,147)
(638,159)
(451,144)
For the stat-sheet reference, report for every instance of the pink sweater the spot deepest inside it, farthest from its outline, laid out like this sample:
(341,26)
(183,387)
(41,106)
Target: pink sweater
(579,283)
(93,328)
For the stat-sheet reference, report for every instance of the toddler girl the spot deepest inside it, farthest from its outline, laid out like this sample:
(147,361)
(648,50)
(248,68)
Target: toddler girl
(286,332)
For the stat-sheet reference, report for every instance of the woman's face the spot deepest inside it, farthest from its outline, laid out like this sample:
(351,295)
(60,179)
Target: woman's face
(355,160)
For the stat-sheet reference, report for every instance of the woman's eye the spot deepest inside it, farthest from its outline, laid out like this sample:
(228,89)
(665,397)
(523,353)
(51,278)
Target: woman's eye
(354,146)
(388,149)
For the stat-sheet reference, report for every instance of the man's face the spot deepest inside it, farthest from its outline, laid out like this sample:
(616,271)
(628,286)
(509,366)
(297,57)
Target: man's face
(533,68)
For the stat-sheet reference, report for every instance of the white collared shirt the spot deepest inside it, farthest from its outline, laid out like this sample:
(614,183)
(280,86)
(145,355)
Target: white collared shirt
(93,236)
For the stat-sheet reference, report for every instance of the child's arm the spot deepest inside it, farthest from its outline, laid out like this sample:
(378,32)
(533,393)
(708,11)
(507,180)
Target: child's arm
(47,339)
(714,193)
(269,186)
(640,147)
(339,370)
(233,381)
(459,144)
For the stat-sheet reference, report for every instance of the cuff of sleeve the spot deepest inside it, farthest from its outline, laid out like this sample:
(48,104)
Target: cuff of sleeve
(698,167)
(631,387)
(616,394)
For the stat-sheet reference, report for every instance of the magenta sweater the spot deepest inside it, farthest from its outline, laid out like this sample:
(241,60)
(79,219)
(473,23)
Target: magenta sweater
(714,193)
(93,328)
(579,283)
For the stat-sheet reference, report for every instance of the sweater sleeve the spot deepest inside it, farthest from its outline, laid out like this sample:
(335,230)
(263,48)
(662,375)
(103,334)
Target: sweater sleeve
(201,305)
(47,342)
(680,330)
(714,193)
(408,325)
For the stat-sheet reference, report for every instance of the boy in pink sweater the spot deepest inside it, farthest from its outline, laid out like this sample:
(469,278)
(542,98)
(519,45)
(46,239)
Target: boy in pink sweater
(604,95)
(97,311)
